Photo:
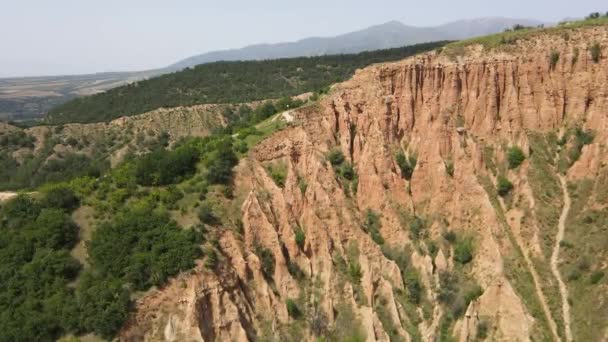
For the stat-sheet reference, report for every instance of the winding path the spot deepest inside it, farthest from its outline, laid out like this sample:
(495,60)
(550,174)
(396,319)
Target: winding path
(563,290)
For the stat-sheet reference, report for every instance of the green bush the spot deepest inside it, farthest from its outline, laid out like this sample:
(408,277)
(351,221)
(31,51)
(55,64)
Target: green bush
(504,186)
(220,160)
(515,156)
(406,165)
(354,272)
(206,214)
(553,59)
(596,52)
(347,171)
(300,238)
(482,330)
(302,184)
(463,251)
(417,228)
(163,167)
(335,157)
(212,259)
(267,260)
(372,225)
(449,168)
(449,236)
(292,309)
(596,277)
(278,173)
(61,197)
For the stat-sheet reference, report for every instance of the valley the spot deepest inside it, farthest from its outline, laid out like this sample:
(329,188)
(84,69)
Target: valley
(454,193)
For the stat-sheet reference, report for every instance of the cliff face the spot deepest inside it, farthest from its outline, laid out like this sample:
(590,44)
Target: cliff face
(385,254)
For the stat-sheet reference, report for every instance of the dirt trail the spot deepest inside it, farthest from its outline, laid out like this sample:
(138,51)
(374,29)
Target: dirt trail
(5,196)
(563,290)
(514,219)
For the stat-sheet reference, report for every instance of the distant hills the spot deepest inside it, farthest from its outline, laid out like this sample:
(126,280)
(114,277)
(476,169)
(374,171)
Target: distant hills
(388,35)
(31,98)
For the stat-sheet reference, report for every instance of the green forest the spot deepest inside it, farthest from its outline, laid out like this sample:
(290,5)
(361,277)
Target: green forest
(226,82)
(47,293)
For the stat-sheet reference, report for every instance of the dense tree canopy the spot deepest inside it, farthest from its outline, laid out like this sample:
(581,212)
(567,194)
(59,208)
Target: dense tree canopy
(226,82)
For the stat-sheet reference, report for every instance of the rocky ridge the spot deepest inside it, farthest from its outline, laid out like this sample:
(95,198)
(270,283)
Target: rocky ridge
(456,115)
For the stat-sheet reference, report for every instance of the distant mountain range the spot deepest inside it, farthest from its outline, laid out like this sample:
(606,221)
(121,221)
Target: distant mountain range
(26,98)
(388,35)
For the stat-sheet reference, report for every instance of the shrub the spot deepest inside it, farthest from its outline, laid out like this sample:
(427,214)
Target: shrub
(463,251)
(474,292)
(60,197)
(300,238)
(212,259)
(414,287)
(553,59)
(406,165)
(482,330)
(515,156)
(354,272)
(347,171)
(267,260)
(449,168)
(449,236)
(292,309)
(583,137)
(372,225)
(220,163)
(278,173)
(302,185)
(596,277)
(596,52)
(206,215)
(504,186)
(163,167)
(416,228)
(335,157)
(295,271)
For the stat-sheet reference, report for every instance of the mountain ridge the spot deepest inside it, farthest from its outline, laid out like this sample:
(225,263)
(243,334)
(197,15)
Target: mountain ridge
(366,39)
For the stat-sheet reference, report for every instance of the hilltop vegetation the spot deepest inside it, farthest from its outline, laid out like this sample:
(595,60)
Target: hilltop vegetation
(519,32)
(226,82)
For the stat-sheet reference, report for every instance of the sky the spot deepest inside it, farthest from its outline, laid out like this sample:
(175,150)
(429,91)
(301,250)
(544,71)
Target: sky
(60,37)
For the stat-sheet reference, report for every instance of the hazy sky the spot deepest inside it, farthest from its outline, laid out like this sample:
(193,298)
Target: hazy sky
(50,37)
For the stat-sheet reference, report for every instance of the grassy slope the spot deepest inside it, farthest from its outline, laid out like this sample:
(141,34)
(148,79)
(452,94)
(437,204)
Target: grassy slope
(506,38)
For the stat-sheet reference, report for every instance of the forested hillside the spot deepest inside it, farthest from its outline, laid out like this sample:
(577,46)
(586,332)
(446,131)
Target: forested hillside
(226,82)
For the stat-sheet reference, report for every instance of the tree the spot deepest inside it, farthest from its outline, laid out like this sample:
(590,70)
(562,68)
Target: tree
(143,246)
(220,164)
(504,186)
(515,157)
(60,196)
(103,304)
